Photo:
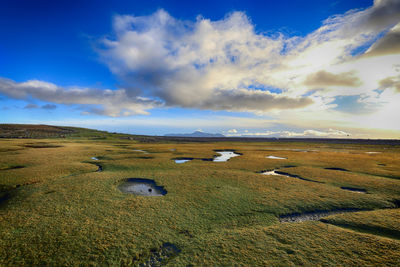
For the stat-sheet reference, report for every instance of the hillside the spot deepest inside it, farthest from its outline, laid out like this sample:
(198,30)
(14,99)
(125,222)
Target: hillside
(196,134)
(49,131)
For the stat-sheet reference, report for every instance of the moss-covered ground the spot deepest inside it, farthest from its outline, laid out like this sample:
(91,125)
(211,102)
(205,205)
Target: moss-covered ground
(56,209)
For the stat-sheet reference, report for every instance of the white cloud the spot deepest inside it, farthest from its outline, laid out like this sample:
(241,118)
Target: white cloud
(205,64)
(217,65)
(105,102)
(331,133)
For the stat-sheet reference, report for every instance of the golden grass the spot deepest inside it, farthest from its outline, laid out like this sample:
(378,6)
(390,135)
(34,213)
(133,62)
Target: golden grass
(378,222)
(59,211)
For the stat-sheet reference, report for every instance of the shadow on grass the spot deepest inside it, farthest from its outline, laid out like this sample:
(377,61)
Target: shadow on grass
(159,256)
(367,229)
(11,167)
(313,215)
(41,145)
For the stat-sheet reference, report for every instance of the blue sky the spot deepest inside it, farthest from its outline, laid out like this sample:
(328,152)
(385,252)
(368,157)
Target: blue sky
(263,68)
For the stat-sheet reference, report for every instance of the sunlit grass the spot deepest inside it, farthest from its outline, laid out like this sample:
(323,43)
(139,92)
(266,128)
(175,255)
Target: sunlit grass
(59,211)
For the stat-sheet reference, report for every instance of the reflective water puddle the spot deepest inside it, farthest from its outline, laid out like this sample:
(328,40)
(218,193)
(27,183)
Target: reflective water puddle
(182,160)
(274,157)
(225,156)
(141,187)
(140,150)
(354,189)
(285,174)
(179,161)
(272,173)
(99,167)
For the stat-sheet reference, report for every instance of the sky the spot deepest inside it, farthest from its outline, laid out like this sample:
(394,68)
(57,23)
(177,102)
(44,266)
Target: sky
(295,68)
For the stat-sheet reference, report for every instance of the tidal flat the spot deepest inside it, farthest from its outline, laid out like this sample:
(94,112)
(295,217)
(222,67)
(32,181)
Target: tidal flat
(57,209)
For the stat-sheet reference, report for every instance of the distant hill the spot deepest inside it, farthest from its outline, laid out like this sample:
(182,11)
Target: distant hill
(66,132)
(50,131)
(196,134)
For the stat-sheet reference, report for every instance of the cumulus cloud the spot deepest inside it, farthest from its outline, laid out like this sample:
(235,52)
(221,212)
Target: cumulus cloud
(245,100)
(383,13)
(227,65)
(331,133)
(390,82)
(106,102)
(205,64)
(387,45)
(324,78)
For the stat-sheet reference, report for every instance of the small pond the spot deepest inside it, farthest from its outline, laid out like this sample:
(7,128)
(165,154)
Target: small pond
(225,156)
(141,187)
(285,174)
(182,160)
(94,158)
(99,168)
(272,173)
(354,189)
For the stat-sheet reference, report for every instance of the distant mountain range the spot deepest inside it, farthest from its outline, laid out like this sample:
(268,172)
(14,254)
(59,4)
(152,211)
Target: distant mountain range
(196,134)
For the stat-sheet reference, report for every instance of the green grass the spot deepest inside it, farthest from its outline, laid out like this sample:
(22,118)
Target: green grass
(379,222)
(59,211)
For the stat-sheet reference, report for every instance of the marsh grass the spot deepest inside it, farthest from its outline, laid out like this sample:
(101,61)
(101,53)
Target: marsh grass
(216,213)
(379,222)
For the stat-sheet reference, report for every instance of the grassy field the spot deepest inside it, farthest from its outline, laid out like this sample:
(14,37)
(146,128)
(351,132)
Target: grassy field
(56,209)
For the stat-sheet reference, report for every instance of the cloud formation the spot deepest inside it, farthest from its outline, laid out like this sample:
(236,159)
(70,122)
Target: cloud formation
(387,45)
(105,102)
(46,106)
(330,133)
(390,82)
(204,64)
(31,106)
(49,106)
(324,78)
(227,65)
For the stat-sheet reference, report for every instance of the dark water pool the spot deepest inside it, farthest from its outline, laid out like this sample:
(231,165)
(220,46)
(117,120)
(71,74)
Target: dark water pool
(141,187)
